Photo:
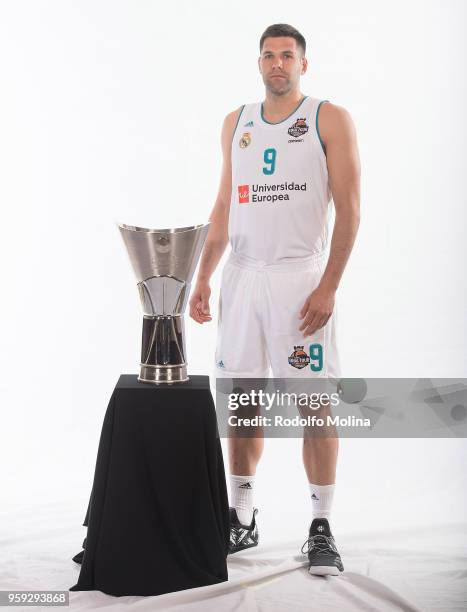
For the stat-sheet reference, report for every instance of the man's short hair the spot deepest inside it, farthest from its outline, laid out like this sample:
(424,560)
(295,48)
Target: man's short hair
(282,29)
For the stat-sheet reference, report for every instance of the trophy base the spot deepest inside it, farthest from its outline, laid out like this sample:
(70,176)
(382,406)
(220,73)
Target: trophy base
(162,375)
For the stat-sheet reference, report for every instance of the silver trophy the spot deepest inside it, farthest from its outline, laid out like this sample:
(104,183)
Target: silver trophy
(164,261)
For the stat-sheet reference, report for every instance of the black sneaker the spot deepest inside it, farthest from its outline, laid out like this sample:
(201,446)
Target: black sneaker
(322,553)
(242,536)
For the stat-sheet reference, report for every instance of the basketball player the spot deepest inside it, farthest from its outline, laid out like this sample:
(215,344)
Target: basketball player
(283,161)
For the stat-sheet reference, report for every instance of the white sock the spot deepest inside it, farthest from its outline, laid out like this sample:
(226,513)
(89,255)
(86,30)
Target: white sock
(321,499)
(241,497)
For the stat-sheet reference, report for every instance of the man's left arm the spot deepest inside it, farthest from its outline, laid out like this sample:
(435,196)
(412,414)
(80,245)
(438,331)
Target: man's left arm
(338,134)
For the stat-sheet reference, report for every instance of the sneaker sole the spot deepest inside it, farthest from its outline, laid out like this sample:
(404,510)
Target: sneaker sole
(324,570)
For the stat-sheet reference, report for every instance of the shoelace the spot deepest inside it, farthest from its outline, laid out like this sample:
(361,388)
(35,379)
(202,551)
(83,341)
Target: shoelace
(320,543)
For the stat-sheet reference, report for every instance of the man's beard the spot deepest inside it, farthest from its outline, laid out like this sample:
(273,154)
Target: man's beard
(278,89)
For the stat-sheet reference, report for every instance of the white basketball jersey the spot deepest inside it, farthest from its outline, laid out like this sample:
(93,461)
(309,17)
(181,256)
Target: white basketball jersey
(280,192)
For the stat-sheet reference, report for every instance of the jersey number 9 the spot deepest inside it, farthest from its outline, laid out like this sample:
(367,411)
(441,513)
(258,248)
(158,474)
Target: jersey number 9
(316,357)
(269,159)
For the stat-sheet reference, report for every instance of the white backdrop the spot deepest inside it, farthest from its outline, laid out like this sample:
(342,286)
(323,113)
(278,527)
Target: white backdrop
(111,112)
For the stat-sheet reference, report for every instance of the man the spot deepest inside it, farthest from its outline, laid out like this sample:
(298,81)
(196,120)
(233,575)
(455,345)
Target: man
(283,161)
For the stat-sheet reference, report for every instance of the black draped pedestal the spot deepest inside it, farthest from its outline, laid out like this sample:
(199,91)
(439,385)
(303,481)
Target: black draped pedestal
(157,518)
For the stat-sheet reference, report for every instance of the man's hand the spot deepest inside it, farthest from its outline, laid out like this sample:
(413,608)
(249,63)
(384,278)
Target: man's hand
(199,303)
(316,310)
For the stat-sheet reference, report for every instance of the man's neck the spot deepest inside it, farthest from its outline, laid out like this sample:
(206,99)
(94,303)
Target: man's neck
(276,107)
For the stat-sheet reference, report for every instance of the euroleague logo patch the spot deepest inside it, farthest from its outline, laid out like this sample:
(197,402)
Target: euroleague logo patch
(299,128)
(299,359)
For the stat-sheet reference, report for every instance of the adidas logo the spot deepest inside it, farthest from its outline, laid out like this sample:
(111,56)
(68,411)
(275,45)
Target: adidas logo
(249,124)
(247,485)
(314,497)
(220,364)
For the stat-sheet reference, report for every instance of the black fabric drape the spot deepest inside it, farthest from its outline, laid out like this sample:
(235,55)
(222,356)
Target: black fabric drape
(157,517)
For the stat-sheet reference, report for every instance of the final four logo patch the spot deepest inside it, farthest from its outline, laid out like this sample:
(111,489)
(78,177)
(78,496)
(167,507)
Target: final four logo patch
(299,128)
(299,359)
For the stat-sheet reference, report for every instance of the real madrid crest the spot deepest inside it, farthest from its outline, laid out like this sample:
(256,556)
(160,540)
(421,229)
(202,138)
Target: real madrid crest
(245,140)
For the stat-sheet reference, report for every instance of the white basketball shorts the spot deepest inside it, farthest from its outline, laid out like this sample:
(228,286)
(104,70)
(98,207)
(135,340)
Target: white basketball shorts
(258,321)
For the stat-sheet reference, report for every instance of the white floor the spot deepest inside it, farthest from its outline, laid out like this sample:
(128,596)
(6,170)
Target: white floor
(421,568)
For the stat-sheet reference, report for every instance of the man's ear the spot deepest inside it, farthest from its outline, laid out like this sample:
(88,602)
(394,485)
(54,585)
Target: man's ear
(304,65)
(259,65)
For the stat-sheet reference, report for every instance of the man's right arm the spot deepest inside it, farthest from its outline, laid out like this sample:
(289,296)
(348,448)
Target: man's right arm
(217,238)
